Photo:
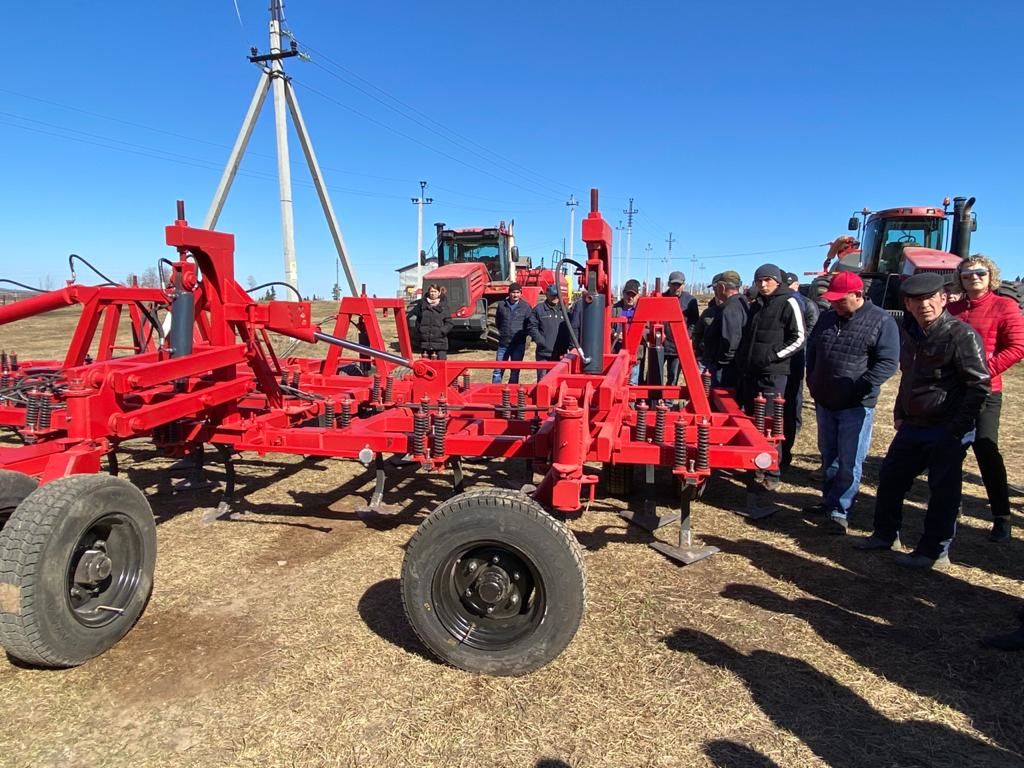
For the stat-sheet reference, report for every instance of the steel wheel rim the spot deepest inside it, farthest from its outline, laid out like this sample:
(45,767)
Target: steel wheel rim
(104,569)
(484,575)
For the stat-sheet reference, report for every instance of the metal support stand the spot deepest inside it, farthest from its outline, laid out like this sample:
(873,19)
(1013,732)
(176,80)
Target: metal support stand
(686,551)
(273,76)
(377,505)
(223,508)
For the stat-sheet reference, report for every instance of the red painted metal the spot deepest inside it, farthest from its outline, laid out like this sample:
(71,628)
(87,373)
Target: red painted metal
(234,390)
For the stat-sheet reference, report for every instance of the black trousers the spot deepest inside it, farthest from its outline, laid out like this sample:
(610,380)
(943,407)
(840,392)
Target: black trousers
(768,384)
(912,451)
(990,460)
(793,418)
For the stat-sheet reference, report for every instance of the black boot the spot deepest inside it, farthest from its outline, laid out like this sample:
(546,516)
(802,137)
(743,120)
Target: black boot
(1000,529)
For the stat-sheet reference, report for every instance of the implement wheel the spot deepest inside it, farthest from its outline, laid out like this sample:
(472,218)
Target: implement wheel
(491,583)
(14,487)
(76,569)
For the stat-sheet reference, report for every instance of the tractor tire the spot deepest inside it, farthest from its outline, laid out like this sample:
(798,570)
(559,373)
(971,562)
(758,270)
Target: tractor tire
(14,487)
(491,583)
(491,332)
(76,569)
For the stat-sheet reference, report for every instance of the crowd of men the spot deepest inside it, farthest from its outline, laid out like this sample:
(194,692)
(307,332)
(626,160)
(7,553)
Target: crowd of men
(771,339)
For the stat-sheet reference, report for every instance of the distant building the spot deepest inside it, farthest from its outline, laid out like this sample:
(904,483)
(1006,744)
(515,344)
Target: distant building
(408,278)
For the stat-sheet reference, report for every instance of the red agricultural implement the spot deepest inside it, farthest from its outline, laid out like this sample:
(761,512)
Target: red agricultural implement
(492,580)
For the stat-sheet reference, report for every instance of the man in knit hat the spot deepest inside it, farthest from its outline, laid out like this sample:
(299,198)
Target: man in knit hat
(773,334)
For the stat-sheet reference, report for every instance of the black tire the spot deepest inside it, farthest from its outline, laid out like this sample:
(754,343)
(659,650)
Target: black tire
(76,569)
(536,589)
(14,487)
(618,479)
(491,332)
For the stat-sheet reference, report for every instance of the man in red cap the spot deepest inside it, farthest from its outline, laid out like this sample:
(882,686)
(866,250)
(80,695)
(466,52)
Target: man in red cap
(853,349)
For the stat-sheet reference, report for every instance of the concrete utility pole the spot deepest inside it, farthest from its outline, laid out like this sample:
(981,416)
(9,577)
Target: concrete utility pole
(273,75)
(647,261)
(630,213)
(669,258)
(693,266)
(420,202)
(617,260)
(572,203)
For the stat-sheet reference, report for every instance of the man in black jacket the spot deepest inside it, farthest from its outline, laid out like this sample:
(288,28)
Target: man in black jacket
(722,337)
(795,383)
(853,349)
(944,383)
(547,327)
(691,313)
(510,319)
(773,334)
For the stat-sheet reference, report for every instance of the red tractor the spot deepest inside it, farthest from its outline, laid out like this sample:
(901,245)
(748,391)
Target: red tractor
(475,267)
(896,243)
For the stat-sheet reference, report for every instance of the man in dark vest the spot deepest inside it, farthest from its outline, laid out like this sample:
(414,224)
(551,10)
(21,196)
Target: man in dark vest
(510,319)
(773,334)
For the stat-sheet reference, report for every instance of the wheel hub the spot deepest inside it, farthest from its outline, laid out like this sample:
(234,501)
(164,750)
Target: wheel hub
(93,567)
(494,585)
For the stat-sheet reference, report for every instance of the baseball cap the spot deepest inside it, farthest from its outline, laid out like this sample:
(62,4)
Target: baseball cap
(842,284)
(676,277)
(552,290)
(631,286)
(790,277)
(729,277)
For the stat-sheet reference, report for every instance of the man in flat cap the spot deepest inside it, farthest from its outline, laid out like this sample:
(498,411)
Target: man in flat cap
(691,313)
(943,385)
(722,336)
(773,334)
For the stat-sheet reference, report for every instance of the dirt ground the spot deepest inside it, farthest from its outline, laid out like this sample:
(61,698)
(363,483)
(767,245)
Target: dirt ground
(277,638)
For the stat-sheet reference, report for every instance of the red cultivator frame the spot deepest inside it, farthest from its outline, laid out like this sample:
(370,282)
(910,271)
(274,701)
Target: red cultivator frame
(491,581)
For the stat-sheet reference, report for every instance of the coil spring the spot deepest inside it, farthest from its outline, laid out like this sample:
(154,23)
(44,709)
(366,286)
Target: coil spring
(505,411)
(420,424)
(440,426)
(705,378)
(759,410)
(520,412)
(375,390)
(679,445)
(295,379)
(45,411)
(13,361)
(329,413)
(704,445)
(346,412)
(465,381)
(5,379)
(535,425)
(779,414)
(389,389)
(32,412)
(284,378)
(641,421)
(660,412)
(3,361)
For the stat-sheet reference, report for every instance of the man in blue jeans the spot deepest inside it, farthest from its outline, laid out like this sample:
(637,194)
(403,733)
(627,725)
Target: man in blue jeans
(510,319)
(944,383)
(853,349)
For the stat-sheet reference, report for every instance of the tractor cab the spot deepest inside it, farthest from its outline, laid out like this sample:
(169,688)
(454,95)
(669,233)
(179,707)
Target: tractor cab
(489,247)
(887,233)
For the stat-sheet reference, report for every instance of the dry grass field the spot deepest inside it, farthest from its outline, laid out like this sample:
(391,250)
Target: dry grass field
(277,637)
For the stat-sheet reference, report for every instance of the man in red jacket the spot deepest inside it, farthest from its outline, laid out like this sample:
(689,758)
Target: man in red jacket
(1000,324)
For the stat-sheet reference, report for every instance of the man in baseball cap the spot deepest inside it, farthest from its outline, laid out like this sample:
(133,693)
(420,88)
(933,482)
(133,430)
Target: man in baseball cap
(945,381)
(691,314)
(725,329)
(853,350)
(625,308)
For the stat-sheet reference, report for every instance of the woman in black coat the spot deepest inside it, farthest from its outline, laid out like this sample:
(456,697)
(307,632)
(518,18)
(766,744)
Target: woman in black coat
(433,321)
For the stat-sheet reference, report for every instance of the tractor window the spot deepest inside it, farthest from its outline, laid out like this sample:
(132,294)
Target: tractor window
(927,232)
(487,254)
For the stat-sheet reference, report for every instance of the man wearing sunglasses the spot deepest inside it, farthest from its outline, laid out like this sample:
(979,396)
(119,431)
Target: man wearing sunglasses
(999,322)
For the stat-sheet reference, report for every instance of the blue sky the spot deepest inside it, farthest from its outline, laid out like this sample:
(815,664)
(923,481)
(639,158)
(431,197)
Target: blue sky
(738,127)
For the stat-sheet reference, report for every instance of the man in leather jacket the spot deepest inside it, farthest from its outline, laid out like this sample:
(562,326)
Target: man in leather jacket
(943,385)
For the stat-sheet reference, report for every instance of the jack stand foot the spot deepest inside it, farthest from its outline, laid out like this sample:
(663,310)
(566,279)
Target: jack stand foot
(758,506)
(213,515)
(648,518)
(687,550)
(377,507)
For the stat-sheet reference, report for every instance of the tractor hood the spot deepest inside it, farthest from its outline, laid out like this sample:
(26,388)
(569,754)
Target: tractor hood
(917,259)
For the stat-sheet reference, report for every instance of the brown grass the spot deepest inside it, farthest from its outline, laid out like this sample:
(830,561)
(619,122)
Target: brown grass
(277,639)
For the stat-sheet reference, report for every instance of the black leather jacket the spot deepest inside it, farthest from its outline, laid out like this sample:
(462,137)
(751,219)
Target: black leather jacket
(945,379)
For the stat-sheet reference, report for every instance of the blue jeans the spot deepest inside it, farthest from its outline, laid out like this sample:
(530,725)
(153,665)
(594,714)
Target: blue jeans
(514,351)
(844,437)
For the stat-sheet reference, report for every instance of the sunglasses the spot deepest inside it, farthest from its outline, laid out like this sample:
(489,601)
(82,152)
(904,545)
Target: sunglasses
(979,272)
